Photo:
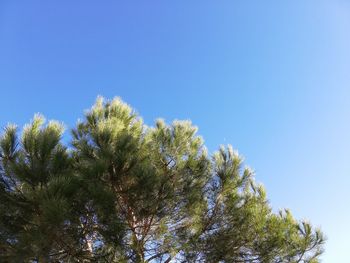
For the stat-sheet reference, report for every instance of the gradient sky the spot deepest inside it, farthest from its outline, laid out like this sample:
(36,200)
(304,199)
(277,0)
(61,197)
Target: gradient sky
(272,78)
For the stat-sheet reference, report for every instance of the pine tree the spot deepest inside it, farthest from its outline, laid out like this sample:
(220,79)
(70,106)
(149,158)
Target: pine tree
(37,191)
(126,192)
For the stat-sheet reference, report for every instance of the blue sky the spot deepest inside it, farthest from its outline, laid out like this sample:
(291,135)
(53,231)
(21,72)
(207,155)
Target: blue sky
(272,78)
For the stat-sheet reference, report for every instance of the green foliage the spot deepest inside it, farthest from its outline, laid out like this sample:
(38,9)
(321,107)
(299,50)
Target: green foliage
(36,187)
(126,192)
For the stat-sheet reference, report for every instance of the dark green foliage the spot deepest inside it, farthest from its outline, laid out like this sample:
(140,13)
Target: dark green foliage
(37,187)
(126,192)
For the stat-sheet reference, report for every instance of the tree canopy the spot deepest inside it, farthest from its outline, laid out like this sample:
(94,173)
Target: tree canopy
(122,191)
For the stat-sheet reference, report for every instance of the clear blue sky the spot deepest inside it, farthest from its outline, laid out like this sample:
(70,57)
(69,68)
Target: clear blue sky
(272,78)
